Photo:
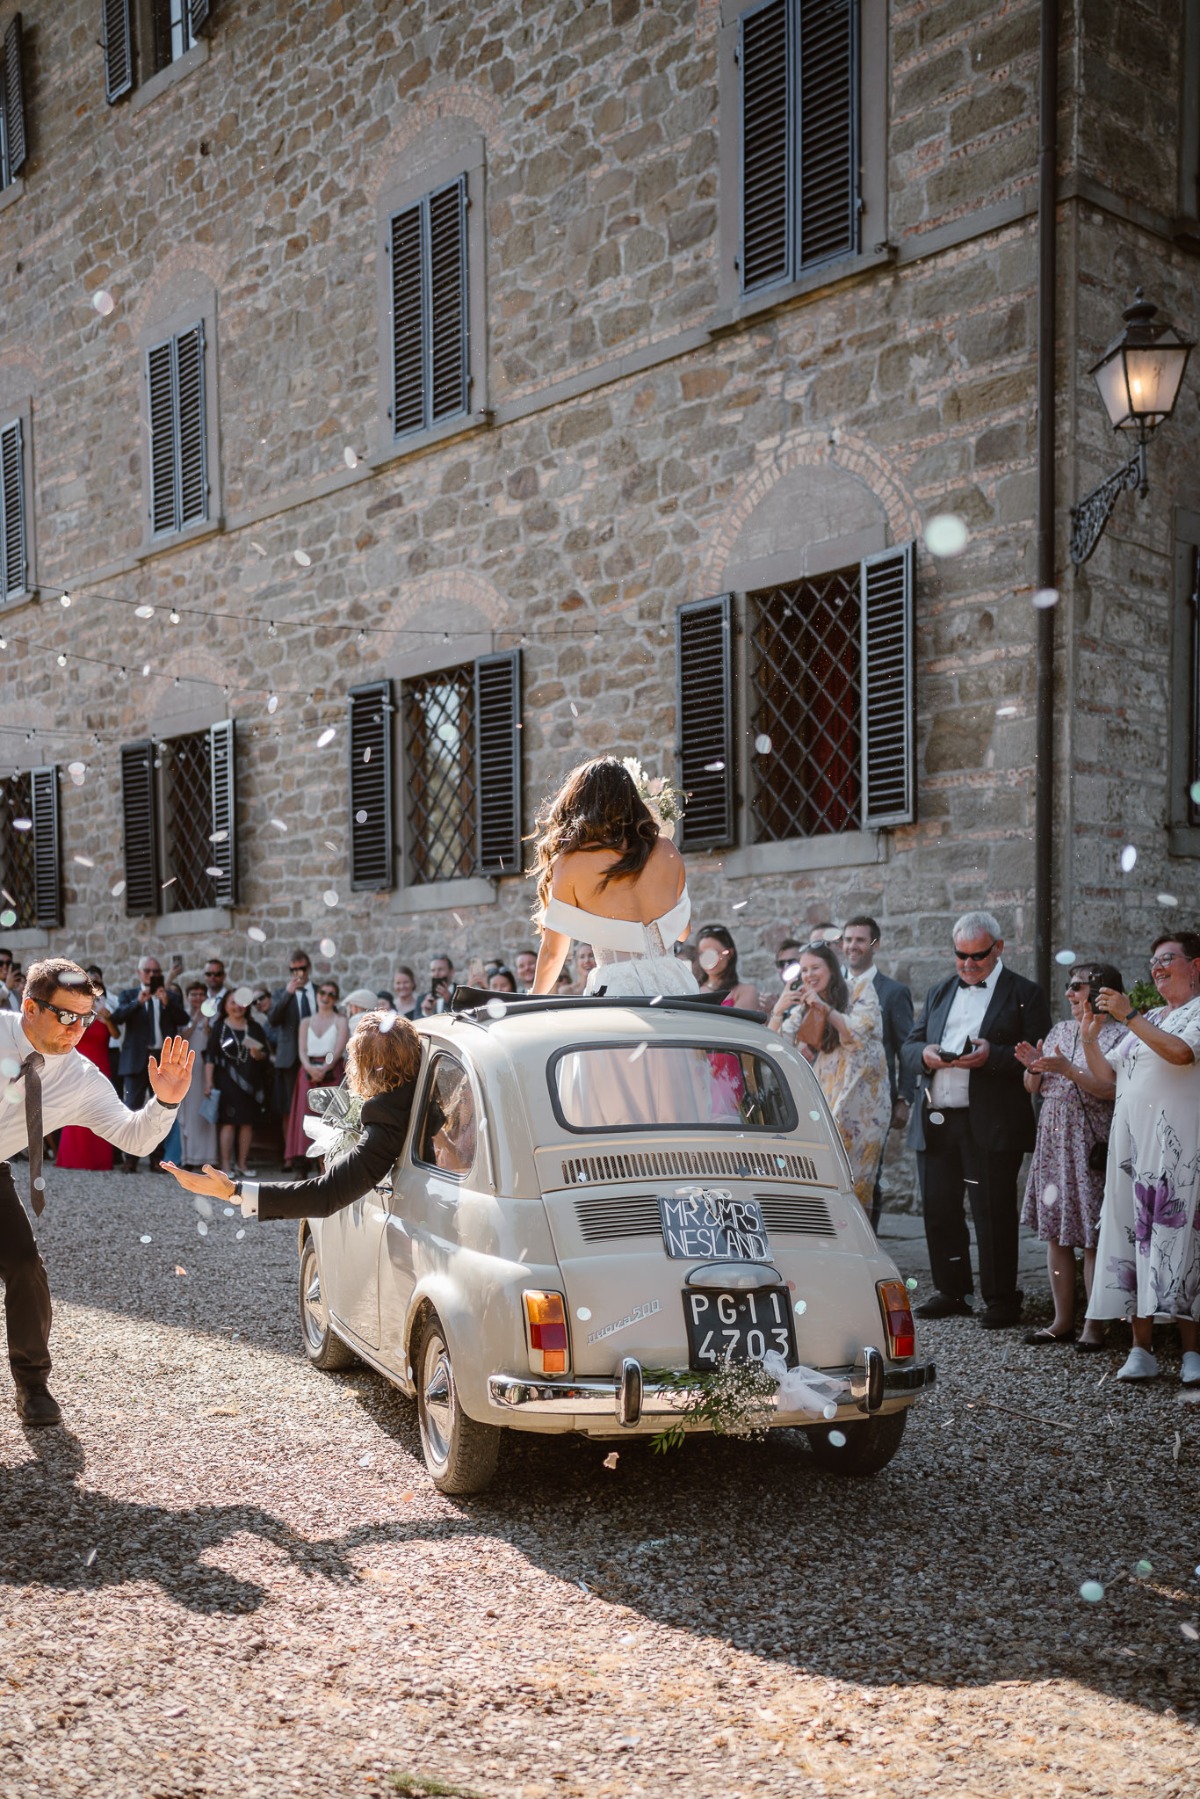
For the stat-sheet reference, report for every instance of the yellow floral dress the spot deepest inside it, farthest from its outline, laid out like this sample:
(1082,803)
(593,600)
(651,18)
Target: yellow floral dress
(854,1079)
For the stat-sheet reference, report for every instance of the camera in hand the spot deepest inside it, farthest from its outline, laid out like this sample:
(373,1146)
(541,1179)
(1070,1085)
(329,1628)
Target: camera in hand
(968,1049)
(1095,982)
(156,983)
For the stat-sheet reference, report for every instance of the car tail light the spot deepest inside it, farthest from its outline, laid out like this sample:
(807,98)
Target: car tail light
(546,1317)
(896,1307)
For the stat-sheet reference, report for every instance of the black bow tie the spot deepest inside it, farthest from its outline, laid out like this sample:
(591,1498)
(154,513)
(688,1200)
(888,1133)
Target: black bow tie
(971,986)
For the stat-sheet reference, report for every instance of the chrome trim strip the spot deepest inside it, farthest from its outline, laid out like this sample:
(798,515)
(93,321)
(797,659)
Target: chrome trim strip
(598,1397)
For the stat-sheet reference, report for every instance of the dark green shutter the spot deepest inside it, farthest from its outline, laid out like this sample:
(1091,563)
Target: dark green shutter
(427,244)
(140,816)
(372,836)
(704,721)
(12,512)
(888,688)
(828,115)
(163,488)
(222,761)
(498,764)
(13,101)
(763,55)
(118,50)
(47,858)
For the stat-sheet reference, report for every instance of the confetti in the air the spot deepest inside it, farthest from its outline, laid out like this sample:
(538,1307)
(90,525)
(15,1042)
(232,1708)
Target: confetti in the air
(610,1461)
(272,701)
(1164,899)
(214,871)
(936,1118)
(1092,1591)
(327,736)
(709,958)
(713,768)
(574,710)
(792,972)
(118,889)
(8,918)
(583,1313)
(103,301)
(762,744)
(218,836)
(210,1007)
(829,1411)
(277,824)
(201,1228)
(145,1239)
(496,1008)
(203,1205)
(302,557)
(256,934)
(330,896)
(1128,859)
(350,457)
(638,1053)
(738,904)
(1194,793)
(327,947)
(1050,1194)
(143,612)
(84,861)
(801,1307)
(179,1268)
(22,824)
(837,1438)
(90,1558)
(238,1235)
(1065,957)
(360,818)
(1006,711)
(911,1283)
(1045,598)
(1143,1569)
(946,535)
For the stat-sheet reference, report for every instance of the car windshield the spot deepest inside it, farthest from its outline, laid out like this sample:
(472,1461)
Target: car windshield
(664,1085)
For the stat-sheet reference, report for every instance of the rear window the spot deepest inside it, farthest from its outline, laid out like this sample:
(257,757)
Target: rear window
(660,1086)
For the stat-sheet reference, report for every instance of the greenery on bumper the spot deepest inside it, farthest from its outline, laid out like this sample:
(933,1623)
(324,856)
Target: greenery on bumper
(735,1400)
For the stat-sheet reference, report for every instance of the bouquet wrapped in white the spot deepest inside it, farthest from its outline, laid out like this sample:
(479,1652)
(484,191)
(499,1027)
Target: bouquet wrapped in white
(659,797)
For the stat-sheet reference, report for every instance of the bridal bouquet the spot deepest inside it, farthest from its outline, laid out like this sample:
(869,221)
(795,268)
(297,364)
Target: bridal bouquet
(661,799)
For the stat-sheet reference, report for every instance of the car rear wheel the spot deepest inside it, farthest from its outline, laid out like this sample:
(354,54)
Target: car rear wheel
(869,1446)
(321,1346)
(460,1454)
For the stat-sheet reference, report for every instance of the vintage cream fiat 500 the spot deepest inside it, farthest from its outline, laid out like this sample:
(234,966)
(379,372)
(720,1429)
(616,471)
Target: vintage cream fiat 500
(598,1198)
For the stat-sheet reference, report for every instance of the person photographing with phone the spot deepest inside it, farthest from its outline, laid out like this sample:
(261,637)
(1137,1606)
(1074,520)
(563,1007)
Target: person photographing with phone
(840,1029)
(974,1121)
(151,1012)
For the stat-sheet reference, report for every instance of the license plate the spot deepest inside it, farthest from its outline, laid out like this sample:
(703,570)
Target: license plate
(740,1327)
(707,1224)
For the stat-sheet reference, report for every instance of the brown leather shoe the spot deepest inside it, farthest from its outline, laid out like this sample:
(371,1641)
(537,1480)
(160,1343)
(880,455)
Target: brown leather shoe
(37,1405)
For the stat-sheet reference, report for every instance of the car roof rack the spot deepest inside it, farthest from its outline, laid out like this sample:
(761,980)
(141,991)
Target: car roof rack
(475,1001)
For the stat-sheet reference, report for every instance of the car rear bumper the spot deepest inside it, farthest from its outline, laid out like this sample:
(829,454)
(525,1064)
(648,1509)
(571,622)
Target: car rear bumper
(628,1398)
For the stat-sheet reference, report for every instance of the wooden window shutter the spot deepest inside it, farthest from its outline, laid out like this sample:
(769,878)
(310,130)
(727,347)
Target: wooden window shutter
(140,816)
(498,764)
(163,486)
(193,465)
(47,858)
(763,57)
(888,688)
(427,244)
(828,117)
(118,50)
(704,721)
(372,829)
(13,102)
(222,758)
(12,512)
(448,300)
(199,12)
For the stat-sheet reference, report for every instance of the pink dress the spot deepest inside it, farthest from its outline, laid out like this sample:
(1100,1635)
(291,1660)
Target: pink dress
(78,1147)
(1063,1195)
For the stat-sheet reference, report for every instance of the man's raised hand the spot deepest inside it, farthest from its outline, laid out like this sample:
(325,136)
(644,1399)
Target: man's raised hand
(171,1075)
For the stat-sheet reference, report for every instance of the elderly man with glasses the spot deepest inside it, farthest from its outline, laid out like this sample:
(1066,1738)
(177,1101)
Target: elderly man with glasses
(975,1122)
(53,1087)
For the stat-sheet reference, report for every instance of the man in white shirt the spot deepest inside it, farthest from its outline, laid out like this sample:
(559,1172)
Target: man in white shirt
(52,1087)
(976,1121)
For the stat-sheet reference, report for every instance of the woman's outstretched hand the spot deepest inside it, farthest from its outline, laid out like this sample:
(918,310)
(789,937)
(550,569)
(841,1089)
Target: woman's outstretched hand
(212,1181)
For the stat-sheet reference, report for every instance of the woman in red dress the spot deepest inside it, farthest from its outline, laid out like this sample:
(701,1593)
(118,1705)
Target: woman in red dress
(77,1146)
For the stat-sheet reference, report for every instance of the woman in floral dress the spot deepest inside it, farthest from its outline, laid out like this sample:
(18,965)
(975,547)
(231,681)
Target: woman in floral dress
(1064,1192)
(840,1030)
(1148,1257)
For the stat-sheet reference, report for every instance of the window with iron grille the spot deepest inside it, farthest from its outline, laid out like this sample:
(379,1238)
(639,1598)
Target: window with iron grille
(30,877)
(179,818)
(462,770)
(824,684)
(14,524)
(178,451)
(12,106)
(142,37)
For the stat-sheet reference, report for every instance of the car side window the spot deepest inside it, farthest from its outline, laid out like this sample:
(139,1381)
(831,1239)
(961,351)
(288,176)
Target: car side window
(446,1136)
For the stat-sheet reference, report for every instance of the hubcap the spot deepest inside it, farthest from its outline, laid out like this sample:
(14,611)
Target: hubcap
(438,1395)
(312,1305)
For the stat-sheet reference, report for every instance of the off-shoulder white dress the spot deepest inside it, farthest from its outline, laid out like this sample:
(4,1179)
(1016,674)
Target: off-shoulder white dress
(630,957)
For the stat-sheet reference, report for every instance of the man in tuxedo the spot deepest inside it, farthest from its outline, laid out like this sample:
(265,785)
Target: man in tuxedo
(975,1121)
(288,1006)
(860,940)
(151,1012)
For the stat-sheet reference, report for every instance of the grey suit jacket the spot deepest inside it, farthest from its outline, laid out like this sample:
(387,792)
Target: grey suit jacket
(895,1003)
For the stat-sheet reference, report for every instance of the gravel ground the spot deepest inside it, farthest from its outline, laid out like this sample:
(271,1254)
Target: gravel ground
(229,1575)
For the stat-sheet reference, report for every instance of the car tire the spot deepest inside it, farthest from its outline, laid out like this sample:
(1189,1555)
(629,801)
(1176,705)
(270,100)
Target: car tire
(869,1446)
(324,1349)
(460,1454)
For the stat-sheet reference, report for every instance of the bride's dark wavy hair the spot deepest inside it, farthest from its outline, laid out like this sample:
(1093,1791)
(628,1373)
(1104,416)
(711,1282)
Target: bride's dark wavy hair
(596,808)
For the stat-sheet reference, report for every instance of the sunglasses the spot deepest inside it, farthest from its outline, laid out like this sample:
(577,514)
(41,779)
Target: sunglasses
(326,993)
(974,955)
(298,968)
(1076,987)
(65,1016)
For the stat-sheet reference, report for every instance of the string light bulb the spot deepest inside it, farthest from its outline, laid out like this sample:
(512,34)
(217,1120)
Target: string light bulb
(272,629)
(61,658)
(64,599)
(173,616)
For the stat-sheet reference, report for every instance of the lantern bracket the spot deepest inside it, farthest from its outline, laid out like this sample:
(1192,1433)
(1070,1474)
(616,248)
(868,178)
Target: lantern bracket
(1093,512)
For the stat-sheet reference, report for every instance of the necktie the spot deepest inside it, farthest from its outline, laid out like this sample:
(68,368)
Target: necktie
(32,1066)
(305,1008)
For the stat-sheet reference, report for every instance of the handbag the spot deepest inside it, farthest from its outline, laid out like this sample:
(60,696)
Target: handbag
(1097,1158)
(210,1107)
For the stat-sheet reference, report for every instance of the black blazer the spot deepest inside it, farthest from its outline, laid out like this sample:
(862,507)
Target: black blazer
(138,1018)
(1001,1111)
(895,1002)
(384,1130)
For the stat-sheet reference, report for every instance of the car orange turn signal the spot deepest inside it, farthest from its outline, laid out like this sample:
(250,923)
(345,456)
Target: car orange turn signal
(896,1307)
(546,1317)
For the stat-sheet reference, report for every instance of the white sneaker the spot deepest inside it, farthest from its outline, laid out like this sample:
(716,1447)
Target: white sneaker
(1138,1365)
(1189,1369)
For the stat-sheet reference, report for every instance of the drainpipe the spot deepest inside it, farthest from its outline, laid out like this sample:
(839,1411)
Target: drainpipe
(1043,826)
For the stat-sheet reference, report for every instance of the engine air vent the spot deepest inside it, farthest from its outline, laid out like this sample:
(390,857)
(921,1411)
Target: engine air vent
(687,1164)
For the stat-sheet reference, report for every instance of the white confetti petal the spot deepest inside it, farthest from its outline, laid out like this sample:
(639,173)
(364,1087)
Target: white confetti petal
(22,824)
(84,861)
(302,557)
(638,1053)
(1128,858)
(272,702)
(946,535)
(118,889)
(1092,1591)
(837,1438)
(1006,711)
(713,768)
(1065,957)
(218,836)
(1164,899)
(210,1007)
(1045,598)
(145,1239)
(583,1313)
(762,744)
(238,1235)
(829,1411)
(801,1307)
(203,1205)
(709,958)
(103,302)
(277,824)
(360,818)
(350,457)
(496,1008)
(201,1228)
(327,736)
(256,934)
(214,871)
(330,896)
